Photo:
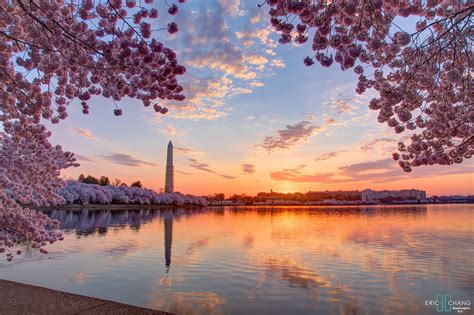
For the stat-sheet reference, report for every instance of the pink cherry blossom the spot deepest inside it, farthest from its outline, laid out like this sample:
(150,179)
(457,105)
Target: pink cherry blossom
(74,192)
(423,76)
(54,54)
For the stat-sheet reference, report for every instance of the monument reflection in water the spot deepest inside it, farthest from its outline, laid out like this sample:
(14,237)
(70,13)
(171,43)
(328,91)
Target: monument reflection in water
(265,260)
(168,239)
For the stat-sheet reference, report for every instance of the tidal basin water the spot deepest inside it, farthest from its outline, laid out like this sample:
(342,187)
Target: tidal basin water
(262,260)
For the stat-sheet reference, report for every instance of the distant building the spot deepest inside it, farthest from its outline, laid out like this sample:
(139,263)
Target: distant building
(404,194)
(169,180)
(336,195)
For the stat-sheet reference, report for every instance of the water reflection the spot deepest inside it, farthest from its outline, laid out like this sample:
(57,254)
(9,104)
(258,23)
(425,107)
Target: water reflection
(292,273)
(87,222)
(168,238)
(265,260)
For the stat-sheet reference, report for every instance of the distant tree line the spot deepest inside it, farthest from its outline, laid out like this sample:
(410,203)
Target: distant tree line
(300,197)
(105,181)
(216,197)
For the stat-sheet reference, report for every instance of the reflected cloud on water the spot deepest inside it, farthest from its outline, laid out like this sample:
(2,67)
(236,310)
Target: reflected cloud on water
(291,272)
(188,302)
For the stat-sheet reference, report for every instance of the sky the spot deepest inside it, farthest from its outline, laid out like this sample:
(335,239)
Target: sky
(254,119)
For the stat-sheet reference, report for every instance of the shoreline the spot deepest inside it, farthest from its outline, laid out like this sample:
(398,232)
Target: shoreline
(21,298)
(135,207)
(115,207)
(339,205)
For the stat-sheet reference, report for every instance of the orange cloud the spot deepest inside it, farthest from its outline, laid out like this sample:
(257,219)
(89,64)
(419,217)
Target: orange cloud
(292,176)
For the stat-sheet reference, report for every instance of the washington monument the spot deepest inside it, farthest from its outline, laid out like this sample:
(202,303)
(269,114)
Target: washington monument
(169,180)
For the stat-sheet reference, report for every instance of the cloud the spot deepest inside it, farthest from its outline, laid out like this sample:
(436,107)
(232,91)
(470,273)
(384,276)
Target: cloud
(278,63)
(343,103)
(248,168)
(387,170)
(354,169)
(354,172)
(295,175)
(231,7)
(332,122)
(184,150)
(125,159)
(327,156)
(270,52)
(83,158)
(296,170)
(226,58)
(302,178)
(343,107)
(372,144)
(256,59)
(221,63)
(206,168)
(205,98)
(85,133)
(291,136)
(200,166)
(378,171)
(227,176)
(184,173)
(257,15)
(256,84)
(260,34)
(240,90)
(169,129)
(208,45)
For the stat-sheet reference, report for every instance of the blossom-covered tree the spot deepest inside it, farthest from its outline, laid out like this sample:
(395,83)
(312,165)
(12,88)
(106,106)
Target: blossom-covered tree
(422,74)
(52,53)
(74,192)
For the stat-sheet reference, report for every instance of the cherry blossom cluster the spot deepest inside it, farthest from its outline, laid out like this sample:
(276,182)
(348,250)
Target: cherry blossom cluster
(29,170)
(423,76)
(24,226)
(52,53)
(75,192)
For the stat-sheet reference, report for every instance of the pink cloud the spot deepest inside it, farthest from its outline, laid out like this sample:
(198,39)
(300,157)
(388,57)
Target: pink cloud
(85,133)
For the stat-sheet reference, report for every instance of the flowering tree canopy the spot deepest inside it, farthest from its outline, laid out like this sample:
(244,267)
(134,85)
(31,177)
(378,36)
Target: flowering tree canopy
(53,52)
(74,192)
(423,77)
